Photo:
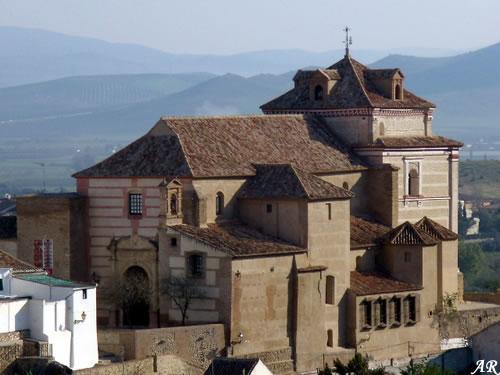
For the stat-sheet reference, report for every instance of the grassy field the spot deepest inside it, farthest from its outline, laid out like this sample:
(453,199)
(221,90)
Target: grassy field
(28,166)
(480,179)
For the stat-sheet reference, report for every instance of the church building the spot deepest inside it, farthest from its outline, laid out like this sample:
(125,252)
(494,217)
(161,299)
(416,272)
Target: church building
(325,226)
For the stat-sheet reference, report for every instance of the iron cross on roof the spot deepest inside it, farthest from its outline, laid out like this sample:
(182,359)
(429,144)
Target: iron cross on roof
(348,39)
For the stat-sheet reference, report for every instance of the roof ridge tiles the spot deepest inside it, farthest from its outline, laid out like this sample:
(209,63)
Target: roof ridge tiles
(361,84)
(408,234)
(214,117)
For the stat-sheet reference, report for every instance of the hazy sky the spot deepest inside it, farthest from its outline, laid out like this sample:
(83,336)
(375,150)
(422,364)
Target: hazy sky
(229,26)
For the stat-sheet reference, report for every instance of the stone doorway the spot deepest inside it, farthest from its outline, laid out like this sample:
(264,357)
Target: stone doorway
(136,305)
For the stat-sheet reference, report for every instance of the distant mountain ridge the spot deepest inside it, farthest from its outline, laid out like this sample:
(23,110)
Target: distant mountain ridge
(32,55)
(81,94)
(466,89)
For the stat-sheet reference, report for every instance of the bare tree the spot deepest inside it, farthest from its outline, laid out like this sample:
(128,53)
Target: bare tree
(182,291)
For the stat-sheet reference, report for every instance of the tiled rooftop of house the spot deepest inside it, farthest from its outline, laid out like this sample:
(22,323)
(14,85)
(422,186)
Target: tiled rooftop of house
(436,230)
(228,146)
(365,232)
(408,234)
(354,89)
(18,266)
(287,181)
(238,240)
(364,284)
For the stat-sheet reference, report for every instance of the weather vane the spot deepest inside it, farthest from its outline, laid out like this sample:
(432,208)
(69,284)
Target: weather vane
(348,40)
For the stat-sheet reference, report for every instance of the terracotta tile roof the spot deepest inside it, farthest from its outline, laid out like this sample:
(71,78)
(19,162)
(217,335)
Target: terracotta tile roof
(18,266)
(8,227)
(369,283)
(147,156)
(355,89)
(365,233)
(238,240)
(287,181)
(382,73)
(408,234)
(436,230)
(228,146)
(414,141)
(232,366)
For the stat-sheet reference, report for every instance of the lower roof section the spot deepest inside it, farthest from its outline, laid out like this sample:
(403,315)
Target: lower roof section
(374,283)
(366,232)
(238,240)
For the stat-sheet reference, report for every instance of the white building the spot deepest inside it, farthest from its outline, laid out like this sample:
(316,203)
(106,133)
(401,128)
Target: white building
(237,366)
(59,312)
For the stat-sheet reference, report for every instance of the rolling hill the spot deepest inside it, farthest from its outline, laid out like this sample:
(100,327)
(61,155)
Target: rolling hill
(466,89)
(227,94)
(76,95)
(32,55)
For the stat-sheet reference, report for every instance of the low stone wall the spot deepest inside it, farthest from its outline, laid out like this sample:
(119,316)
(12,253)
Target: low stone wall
(9,353)
(197,345)
(165,365)
(466,323)
(483,297)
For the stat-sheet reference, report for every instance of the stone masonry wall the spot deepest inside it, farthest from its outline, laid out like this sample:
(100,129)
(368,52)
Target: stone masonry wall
(197,345)
(484,297)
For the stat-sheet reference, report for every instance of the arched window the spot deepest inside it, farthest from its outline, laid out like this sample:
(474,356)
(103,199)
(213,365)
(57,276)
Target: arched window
(345,185)
(413,182)
(329,341)
(173,204)
(219,203)
(318,93)
(397,92)
(330,290)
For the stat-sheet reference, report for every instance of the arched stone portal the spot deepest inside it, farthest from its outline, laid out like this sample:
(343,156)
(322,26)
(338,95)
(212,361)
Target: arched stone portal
(137,297)
(135,271)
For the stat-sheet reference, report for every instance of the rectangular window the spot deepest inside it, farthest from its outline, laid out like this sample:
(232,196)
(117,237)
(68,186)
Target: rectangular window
(411,309)
(173,242)
(365,315)
(269,208)
(329,208)
(330,290)
(1,284)
(84,293)
(196,266)
(407,257)
(382,321)
(395,311)
(135,204)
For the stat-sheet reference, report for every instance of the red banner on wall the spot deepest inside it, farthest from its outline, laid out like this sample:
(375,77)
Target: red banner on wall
(43,255)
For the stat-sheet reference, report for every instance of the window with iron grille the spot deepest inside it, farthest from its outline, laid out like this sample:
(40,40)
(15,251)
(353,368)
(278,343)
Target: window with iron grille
(135,204)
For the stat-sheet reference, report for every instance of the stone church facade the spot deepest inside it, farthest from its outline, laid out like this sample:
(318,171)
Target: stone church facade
(324,226)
